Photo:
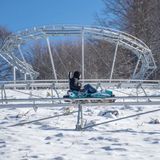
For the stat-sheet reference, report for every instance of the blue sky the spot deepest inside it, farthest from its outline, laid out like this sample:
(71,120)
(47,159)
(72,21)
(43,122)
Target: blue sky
(21,14)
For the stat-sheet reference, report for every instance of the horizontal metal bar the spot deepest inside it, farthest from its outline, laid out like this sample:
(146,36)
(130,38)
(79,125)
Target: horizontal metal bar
(31,105)
(45,105)
(85,80)
(79,99)
(64,84)
(42,119)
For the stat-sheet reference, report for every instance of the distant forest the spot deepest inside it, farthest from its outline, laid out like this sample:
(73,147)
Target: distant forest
(140,18)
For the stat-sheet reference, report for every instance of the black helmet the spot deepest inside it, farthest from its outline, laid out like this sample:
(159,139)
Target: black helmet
(77,74)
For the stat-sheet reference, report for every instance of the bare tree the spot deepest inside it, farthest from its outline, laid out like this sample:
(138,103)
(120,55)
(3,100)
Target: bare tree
(66,57)
(137,17)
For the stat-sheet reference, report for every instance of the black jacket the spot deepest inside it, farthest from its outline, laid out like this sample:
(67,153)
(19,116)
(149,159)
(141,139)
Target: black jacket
(74,83)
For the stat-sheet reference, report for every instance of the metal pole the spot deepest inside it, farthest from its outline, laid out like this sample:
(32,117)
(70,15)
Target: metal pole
(52,92)
(79,118)
(135,70)
(51,57)
(54,87)
(25,76)
(82,55)
(114,59)
(5,95)
(145,93)
(2,86)
(14,74)
(20,51)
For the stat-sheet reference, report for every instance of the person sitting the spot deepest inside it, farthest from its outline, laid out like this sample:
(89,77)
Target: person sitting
(75,85)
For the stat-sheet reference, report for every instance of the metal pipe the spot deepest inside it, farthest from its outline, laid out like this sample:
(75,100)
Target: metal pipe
(51,58)
(135,70)
(81,99)
(25,76)
(14,74)
(44,105)
(114,59)
(82,36)
(20,51)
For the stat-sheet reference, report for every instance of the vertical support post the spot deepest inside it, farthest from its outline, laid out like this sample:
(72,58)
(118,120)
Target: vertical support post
(51,57)
(52,92)
(5,95)
(145,93)
(138,86)
(54,87)
(82,41)
(137,93)
(114,59)
(14,74)
(2,93)
(81,117)
(135,70)
(25,76)
(79,124)
(27,67)
(20,51)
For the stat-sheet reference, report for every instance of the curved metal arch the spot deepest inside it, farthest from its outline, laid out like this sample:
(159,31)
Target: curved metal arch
(128,41)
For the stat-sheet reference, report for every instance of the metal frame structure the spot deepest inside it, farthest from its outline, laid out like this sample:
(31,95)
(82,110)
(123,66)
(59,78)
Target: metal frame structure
(44,102)
(80,103)
(63,83)
(145,64)
(137,95)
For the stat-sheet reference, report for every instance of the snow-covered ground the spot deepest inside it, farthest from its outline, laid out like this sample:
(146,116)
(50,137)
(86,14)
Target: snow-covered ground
(136,138)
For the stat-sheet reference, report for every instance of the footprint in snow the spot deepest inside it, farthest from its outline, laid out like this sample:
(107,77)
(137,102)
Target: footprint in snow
(46,127)
(108,148)
(2,141)
(59,135)
(58,158)
(34,156)
(152,140)
(97,138)
(2,144)
(48,138)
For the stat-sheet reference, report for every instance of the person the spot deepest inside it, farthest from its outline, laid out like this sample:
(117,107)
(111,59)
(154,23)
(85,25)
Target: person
(75,85)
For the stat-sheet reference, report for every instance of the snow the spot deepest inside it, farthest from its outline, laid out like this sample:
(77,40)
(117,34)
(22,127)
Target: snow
(56,139)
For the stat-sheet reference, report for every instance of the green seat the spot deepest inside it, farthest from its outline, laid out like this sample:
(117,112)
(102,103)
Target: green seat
(99,94)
